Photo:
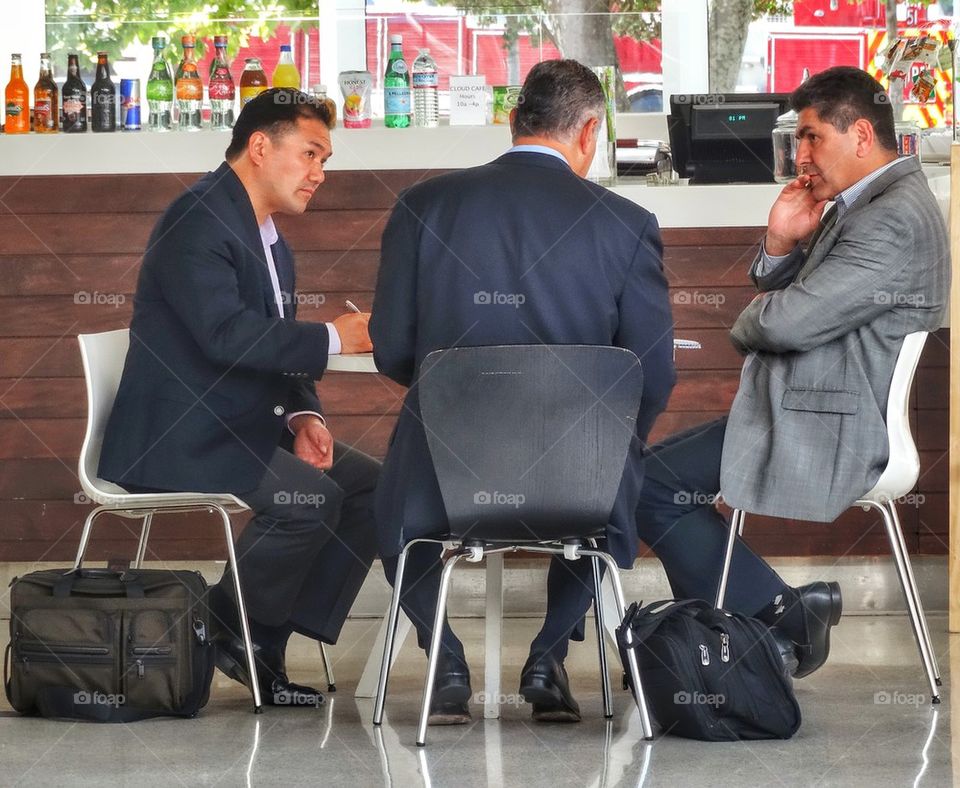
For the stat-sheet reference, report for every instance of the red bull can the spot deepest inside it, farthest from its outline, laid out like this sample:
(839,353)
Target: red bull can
(130,104)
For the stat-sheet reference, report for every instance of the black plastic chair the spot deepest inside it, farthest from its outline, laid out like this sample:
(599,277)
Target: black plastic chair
(529,444)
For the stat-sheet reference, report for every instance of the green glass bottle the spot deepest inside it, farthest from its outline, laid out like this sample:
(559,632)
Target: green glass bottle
(396,88)
(160,89)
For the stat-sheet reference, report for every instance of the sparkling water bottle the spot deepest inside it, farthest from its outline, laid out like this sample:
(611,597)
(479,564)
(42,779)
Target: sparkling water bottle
(426,112)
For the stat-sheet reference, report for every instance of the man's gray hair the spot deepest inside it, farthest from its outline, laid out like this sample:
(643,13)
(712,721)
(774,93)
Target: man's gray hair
(558,97)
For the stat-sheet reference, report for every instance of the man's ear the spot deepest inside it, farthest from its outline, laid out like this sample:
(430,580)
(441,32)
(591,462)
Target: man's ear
(257,147)
(588,133)
(866,137)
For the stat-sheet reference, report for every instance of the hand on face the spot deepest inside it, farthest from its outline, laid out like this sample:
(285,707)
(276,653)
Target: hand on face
(794,215)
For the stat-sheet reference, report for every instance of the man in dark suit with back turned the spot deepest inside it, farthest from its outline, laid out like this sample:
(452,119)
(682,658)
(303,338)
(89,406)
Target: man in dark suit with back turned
(217,393)
(588,265)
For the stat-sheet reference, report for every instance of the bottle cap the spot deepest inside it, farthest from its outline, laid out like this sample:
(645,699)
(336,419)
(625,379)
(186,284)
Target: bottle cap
(284,47)
(158,41)
(219,41)
(320,89)
(396,38)
(188,41)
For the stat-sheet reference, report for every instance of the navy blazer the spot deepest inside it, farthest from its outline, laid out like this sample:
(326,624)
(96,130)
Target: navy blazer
(518,251)
(212,367)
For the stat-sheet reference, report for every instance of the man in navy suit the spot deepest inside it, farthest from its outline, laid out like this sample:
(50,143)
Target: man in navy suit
(217,393)
(456,255)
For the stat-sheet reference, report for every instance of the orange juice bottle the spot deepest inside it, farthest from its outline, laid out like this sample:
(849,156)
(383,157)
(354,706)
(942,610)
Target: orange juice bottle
(17,99)
(285,75)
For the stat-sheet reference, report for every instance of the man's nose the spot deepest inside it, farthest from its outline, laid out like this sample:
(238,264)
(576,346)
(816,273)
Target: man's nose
(317,174)
(803,153)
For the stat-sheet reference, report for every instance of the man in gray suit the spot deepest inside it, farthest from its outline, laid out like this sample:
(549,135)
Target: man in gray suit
(806,434)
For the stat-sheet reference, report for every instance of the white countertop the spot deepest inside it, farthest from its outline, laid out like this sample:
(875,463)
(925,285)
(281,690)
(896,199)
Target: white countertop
(379,148)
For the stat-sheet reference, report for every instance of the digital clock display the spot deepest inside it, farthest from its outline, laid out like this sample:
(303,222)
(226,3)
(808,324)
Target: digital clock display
(732,121)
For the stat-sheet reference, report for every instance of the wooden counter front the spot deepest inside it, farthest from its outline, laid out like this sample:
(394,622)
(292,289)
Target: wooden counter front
(70,250)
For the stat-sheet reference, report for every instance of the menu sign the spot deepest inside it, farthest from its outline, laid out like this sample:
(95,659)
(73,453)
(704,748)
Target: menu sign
(468,101)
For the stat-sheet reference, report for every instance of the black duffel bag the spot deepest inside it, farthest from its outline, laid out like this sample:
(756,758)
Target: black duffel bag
(709,674)
(109,646)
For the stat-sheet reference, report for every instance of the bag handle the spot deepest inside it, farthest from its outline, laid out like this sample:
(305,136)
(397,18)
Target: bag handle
(63,588)
(7,685)
(640,623)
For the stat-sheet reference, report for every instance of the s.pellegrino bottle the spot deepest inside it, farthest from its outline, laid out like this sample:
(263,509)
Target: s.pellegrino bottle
(160,89)
(74,98)
(396,88)
(103,97)
(222,90)
(189,88)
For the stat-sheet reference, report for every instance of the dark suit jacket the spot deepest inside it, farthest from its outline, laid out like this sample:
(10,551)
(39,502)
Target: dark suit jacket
(518,251)
(212,367)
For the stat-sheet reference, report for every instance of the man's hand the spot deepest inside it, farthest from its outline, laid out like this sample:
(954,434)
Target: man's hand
(354,332)
(313,442)
(793,217)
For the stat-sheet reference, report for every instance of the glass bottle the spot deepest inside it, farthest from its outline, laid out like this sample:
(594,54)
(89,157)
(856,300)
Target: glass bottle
(17,99)
(189,88)
(160,89)
(222,90)
(253,81)
(74,99)
(286,75)
(396,88)
(103,97)
(319,92)
(46,104)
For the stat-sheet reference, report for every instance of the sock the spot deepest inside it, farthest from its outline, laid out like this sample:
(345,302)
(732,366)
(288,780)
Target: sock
(785,612)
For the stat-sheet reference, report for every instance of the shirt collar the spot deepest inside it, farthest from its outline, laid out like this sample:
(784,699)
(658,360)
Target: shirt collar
(539,149)
(268,232)
(848,196)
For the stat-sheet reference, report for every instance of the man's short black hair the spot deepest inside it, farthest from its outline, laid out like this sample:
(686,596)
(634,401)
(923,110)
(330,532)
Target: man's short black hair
(557,98)
(274,112)
(842,95)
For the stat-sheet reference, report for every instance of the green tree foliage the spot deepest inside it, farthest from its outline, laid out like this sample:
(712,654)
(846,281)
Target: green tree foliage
(89,26)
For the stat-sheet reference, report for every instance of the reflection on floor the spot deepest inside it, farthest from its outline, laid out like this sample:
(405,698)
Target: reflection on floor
(867,721)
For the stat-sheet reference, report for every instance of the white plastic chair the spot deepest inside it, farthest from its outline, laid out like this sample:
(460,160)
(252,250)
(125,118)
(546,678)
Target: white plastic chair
(103,357)
(897,479)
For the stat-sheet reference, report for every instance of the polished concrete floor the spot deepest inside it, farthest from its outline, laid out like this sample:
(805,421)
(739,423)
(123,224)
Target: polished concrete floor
(867,721)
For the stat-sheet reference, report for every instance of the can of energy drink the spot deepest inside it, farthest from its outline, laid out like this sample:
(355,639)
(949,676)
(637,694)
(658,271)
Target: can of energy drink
(130,104)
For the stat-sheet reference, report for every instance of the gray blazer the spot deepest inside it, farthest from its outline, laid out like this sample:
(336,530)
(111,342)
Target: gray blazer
(806,435)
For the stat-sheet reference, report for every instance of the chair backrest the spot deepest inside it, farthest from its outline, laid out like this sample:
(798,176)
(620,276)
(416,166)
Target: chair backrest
(529,442)
(903,464)
(103,356)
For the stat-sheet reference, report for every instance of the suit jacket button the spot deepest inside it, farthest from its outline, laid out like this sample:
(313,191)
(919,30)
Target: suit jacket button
(278,411)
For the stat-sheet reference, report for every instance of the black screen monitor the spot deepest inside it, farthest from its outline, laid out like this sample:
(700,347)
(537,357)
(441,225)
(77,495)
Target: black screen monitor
(724,137)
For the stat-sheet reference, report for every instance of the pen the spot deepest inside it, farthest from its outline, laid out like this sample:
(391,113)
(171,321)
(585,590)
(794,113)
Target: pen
(351,306)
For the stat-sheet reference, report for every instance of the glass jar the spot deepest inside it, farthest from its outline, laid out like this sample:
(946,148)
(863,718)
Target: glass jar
(785,148)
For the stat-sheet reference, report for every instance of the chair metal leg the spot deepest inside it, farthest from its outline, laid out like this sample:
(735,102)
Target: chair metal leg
(438,620)
(736,529)
(85,536)
(327,668)
(614,571)
(915,591)
(916,613)
(601,639)
(242,611)
(144,537)
(388,641)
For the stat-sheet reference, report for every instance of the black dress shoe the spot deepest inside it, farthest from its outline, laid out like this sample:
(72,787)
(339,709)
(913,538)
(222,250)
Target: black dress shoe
(275,688)
(451,691)
(544,683)
(822,607)
(788,651)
